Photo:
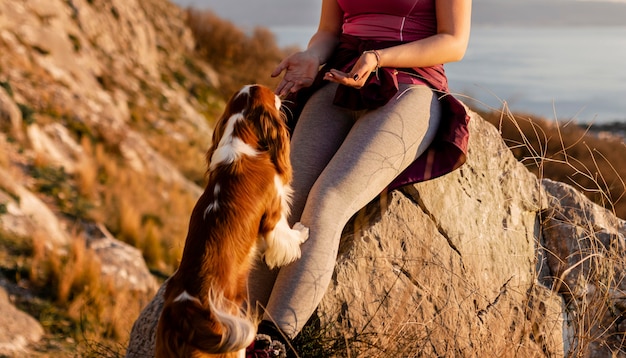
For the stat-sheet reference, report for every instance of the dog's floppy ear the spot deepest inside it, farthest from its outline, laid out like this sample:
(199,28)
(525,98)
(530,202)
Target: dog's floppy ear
(273,137)
(279,150)
(271,128)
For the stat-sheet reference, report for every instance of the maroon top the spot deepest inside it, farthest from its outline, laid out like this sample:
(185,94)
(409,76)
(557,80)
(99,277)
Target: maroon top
(396,20)
(448,150)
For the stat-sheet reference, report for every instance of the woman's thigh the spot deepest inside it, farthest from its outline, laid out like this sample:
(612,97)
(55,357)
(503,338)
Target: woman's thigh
(320,131)
(379,146)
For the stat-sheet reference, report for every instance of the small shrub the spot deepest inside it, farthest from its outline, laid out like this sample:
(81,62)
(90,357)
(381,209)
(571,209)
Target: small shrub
(75,42)
(151,247)
(40,50)
(239,58)
(7,87)
(97,313)
(87,171)
(56,183)
(129,223)
(4,152)
(27,113)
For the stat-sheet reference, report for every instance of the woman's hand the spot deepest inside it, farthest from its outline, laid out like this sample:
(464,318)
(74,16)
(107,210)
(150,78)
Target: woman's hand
(360,72)
(300,70)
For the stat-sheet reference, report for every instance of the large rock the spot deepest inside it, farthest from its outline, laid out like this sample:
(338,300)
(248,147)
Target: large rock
(143,334)
(120,263)
(442,268)
(448,267)
(26,214)
(17,329)
(487,261)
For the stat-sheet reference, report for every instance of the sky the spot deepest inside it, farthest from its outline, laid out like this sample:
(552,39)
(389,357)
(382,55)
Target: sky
(269,13)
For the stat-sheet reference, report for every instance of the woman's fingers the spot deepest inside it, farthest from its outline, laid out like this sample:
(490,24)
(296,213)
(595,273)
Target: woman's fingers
(347,79)
(286,86)
(280,89)
(279,69)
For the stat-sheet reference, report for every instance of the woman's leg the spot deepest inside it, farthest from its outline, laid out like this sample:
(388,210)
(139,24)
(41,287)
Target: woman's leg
(321,129)
(381,144)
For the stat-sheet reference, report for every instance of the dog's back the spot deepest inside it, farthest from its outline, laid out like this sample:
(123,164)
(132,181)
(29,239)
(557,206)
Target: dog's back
(202,310)
(241,211)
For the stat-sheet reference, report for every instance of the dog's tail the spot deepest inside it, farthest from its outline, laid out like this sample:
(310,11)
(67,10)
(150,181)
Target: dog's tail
(186,325)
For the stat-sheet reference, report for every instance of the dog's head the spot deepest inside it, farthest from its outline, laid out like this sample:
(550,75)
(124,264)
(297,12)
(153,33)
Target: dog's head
(252,123)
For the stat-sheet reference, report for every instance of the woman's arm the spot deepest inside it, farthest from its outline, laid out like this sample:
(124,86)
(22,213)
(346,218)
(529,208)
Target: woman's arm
(301,68)
(326,38)
(447,45)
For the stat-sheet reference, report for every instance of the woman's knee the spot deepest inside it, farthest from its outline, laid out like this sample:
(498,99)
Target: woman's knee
(329,206)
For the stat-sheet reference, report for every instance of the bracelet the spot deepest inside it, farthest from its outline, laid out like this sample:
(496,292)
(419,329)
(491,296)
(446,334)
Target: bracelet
(377,54)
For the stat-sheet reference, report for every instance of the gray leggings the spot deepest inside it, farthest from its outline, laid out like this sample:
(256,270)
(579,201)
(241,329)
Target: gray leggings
(342,159)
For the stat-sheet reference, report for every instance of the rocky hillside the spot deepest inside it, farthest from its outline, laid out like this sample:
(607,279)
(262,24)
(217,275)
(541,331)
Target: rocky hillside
(102,148)
(106,110)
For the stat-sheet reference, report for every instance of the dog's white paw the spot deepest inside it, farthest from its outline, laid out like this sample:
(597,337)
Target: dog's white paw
(277,256)
(302,230)
(283,244)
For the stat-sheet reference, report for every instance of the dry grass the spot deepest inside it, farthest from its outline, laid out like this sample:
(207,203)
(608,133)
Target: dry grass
(591,277)
(129,221)
(142,211)
(4,152)
(152,245)
(87,170)
(238,58)
(86,308)
(565,152)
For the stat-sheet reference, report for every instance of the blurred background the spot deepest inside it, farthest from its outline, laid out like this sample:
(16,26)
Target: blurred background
(562,59)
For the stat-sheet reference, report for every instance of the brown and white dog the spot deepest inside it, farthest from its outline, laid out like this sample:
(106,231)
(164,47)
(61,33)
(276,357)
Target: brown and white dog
(241,214)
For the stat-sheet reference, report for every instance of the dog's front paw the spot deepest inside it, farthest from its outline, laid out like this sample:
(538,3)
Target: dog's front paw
(302,230)
(283,244)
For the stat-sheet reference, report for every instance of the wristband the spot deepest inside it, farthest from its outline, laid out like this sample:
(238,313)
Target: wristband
(377,54)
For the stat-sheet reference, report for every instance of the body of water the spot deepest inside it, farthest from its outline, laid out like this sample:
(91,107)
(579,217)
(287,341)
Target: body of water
(562,72)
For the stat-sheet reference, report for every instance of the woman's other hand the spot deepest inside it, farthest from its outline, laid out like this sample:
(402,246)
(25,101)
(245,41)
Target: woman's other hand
(360,72)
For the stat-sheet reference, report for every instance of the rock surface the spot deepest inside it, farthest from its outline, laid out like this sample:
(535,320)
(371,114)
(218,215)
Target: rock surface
(17,329)
(142,337)
(93,66)
(447,267)
(585,249)
(75,74)
(120,263)
(27,214)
